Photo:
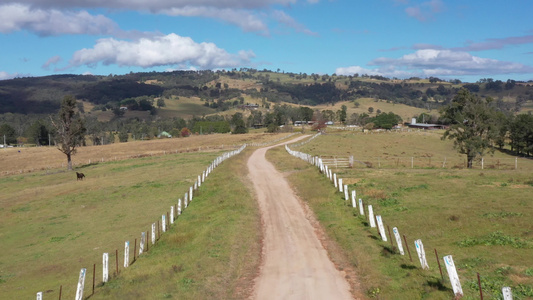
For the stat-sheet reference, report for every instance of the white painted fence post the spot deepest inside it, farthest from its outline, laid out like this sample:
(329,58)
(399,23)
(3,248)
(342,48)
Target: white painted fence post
(179,207)
(105,267)
(126,254)
(153,233)
(195,185)
(421,254)
(190,194)
(353,198)
(186,200)
(163,222)
(454,278)
(381,228)
(507,294)
(199,181)
(340,185)
(172,214)
(142,242)
(398,240)
(346,197)
(361,210)
(371,216)
(335,180)
(81,284)
(40,296)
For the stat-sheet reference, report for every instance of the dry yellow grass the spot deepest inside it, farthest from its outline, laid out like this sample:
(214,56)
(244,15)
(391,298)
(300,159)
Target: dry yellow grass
(20,160)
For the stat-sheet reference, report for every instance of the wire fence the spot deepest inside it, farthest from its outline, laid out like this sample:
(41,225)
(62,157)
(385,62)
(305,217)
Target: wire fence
(374,220)
(115,262)
(108,158)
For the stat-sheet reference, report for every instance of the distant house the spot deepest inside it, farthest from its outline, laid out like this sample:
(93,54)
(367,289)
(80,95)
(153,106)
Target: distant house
(123,108)
(251,106)
(424,126)
(300,123)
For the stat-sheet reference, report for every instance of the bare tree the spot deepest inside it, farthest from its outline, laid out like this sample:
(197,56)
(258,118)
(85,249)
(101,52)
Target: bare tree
(69,127)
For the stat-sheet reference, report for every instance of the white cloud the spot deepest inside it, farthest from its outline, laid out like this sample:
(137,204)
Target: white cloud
(245,19)
(52,61)
(166,50)
(435,62)
(155,5)
(4,75)
(424,11)
(17,17)
(52,17)
(289,21)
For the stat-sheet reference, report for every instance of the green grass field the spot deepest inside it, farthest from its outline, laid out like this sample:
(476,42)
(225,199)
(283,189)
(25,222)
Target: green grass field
(52,226)
(481,217)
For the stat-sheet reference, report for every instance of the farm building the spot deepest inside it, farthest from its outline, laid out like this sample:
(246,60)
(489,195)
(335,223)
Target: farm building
(414,124)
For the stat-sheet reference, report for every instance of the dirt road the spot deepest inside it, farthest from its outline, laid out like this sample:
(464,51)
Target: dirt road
(295,264)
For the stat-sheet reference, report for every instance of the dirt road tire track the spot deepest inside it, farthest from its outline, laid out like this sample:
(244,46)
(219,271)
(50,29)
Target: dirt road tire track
(295,264)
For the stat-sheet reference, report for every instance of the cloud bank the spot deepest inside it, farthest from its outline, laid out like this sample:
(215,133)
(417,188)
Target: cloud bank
(54,17)
(169,50)
(436,62)
(16,17)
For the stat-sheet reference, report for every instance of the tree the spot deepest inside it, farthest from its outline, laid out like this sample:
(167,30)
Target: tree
(239,125)
(161,102)
(185,132)
(118,112)
(370,110)
(70,128)
(473,125)
(38,133)
(521,134)
(9,133)
(123,136)
(341,114)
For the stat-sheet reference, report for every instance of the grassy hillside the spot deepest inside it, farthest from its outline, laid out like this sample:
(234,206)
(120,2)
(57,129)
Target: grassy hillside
(481,217)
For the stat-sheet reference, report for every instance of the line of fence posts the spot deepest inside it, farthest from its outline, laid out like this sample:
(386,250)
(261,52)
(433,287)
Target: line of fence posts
(165,220)
(377,219)
(412,162)
(102,159)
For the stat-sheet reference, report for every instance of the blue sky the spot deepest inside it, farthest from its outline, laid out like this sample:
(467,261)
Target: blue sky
(450,39)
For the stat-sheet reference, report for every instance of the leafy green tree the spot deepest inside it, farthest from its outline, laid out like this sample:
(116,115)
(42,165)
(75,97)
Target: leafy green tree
(473,125)
(123,136)
(161,102)
(38,133)
(386,121)
(9,133)
(69,127)
(118,112)
(341,114)
(521,134)
(239,125)
(306,114)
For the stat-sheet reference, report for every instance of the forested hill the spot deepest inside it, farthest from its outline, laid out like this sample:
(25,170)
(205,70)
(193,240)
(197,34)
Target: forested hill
(43,94)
